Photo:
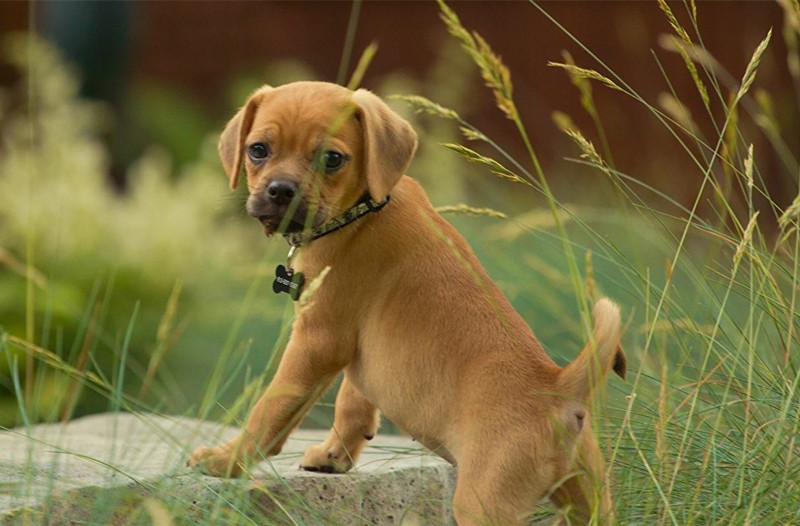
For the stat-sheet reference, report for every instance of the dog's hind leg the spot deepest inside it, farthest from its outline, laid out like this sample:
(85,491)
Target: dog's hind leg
(497,488)
(585,497)
(355,422)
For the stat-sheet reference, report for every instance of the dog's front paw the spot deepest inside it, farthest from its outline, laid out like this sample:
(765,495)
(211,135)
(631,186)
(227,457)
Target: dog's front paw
(326,459)
(216,461)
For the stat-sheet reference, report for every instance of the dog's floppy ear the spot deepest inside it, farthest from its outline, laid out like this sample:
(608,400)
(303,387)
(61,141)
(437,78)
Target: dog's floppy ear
(389,143)
(231,142)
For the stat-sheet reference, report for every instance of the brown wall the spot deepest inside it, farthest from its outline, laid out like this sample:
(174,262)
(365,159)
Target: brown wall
(200,46)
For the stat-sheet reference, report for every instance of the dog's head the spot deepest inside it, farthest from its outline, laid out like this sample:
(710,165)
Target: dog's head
(311,150)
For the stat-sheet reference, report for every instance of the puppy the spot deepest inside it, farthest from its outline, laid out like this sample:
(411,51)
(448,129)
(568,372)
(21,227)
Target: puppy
(408,314)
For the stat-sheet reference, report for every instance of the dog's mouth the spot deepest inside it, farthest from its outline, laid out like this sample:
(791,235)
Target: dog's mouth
(287,218)
(276,224)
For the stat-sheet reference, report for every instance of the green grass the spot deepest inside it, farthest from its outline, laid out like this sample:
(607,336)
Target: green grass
(704,430)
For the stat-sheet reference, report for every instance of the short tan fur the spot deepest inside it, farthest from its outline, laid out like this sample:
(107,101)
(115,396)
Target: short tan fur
(411,319)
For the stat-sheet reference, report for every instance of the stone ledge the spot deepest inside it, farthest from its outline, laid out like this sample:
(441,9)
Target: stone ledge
(129,469)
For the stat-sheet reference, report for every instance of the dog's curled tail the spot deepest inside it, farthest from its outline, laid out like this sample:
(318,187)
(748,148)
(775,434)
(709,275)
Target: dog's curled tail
(601,354)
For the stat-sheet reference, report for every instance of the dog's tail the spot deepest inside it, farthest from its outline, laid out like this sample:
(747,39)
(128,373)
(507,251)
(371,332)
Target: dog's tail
(600,355)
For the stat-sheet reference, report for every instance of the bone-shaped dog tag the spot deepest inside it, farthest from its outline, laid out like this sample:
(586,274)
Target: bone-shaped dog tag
(288,281)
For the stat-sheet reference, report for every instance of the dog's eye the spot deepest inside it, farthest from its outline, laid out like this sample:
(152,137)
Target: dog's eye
(258,151)
(332,161)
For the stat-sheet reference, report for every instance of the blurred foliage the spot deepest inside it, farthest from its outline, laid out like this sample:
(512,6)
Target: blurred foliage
(94,255)
(172,259)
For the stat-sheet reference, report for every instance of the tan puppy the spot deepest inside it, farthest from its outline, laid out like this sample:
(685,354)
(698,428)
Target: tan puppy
(409,316)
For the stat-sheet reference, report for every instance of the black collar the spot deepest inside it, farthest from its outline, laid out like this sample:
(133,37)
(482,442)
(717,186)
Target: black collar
(365,206)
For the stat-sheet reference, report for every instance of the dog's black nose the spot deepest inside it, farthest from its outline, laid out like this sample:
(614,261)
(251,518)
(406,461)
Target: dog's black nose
(281,191)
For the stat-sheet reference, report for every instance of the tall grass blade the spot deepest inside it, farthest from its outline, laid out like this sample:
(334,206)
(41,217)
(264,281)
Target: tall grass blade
(362,66)
(123,361)
(13,264)
(350,35)
(164,338)
(13,367)
(74,390)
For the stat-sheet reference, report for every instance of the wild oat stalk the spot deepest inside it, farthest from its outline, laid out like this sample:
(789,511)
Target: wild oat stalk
(309,294)
(463,209)
(423,104)
(51,359)
(495,167)
(587,102)
(791,30)
(748,169)
(682,50)
(470,132)
(589,152)
(752,67)
(577,72)
(495,74)
(673,21)
(791,214)
(497,77)
(747,240)
(694,11)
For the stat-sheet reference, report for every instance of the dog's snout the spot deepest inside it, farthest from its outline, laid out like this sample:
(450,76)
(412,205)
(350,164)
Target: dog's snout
(279,205)
(281,191)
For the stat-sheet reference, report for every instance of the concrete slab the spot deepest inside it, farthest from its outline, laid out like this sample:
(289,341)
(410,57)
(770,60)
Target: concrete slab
(129,469)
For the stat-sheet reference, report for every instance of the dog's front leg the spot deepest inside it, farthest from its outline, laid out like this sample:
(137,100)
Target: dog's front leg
(355,422)
(308,366)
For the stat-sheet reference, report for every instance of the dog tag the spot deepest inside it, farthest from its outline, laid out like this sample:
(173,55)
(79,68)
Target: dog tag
(288,281)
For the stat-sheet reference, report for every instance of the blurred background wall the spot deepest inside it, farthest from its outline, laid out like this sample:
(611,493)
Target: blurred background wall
(136,51)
